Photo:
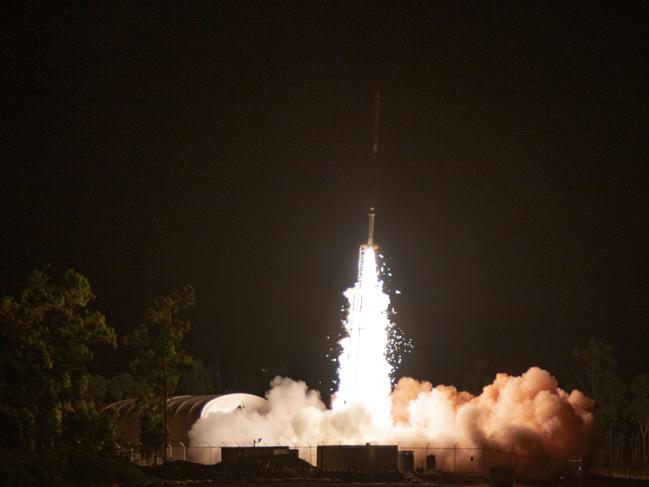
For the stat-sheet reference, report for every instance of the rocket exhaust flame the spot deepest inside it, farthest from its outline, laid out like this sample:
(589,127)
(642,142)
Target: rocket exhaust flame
(528,415)
(364,370)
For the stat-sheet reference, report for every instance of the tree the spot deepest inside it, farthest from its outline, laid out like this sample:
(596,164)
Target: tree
(602,383)
(638,410)
(605,388)
(597,362)
(159,361)
(46,339)
(478,378)
(196,380)
(123,386)
(97,389)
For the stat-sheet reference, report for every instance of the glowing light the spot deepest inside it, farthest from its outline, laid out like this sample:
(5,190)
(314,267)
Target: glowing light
(363,367)
(529,413)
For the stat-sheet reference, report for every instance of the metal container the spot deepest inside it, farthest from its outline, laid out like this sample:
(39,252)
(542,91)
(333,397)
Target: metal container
(229,454)
(406,461)
(358,457)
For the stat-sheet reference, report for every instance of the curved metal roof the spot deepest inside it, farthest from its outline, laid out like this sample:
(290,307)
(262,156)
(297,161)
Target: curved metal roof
(182,413)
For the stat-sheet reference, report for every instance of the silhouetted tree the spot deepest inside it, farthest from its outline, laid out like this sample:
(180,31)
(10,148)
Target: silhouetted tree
(602,383)
(46,339)
(197,379)
(638,412)
(97,389)
(479,377)
(159,361)
(124,386)
(104,391)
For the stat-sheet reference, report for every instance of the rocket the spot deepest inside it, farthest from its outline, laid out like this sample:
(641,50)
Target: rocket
(375,149)
(377,115)
(370,228)
(367,246)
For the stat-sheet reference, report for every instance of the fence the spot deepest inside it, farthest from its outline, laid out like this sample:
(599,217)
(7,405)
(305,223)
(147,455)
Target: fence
(623,451)
(456,458)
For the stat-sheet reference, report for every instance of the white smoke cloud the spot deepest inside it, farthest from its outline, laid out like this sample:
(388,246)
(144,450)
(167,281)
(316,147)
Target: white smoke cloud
(294,415)
(529,415)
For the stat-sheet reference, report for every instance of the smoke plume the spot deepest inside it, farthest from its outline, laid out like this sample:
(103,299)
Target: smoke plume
(529,416)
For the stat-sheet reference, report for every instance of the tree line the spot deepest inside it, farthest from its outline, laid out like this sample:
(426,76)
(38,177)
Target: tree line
(52,417)
(52,409)
(622,410)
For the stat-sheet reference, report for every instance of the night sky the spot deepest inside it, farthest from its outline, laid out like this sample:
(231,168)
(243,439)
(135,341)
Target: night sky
(149,146)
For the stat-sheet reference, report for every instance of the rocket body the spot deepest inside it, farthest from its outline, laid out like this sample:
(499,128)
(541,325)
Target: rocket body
(377,115)
(369,245)
(370,229)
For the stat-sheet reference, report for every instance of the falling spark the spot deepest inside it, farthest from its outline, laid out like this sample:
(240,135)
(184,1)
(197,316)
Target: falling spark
(529,413)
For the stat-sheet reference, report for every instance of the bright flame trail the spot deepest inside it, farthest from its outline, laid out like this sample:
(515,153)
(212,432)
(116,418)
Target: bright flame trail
(364,369)
(528,416)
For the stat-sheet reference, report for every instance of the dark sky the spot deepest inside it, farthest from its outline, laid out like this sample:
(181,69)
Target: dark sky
(153,145)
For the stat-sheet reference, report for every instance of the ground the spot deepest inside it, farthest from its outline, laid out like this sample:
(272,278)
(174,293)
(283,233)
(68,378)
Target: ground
(286,471)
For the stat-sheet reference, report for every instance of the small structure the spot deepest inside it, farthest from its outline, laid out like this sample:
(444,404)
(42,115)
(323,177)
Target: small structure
(502,477)
(358,457)
(406,461)
(230,454)
(182,413)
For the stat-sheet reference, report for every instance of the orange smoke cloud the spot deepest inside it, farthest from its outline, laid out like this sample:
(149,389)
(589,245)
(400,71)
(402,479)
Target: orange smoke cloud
(406,390)
(529,415)
(527,422)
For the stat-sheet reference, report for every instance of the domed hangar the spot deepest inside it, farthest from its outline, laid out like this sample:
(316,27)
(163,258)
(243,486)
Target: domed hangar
(182,413)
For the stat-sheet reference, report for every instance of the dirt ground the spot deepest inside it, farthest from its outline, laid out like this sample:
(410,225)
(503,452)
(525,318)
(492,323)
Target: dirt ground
(286,471)
(458,482)
(321,483)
